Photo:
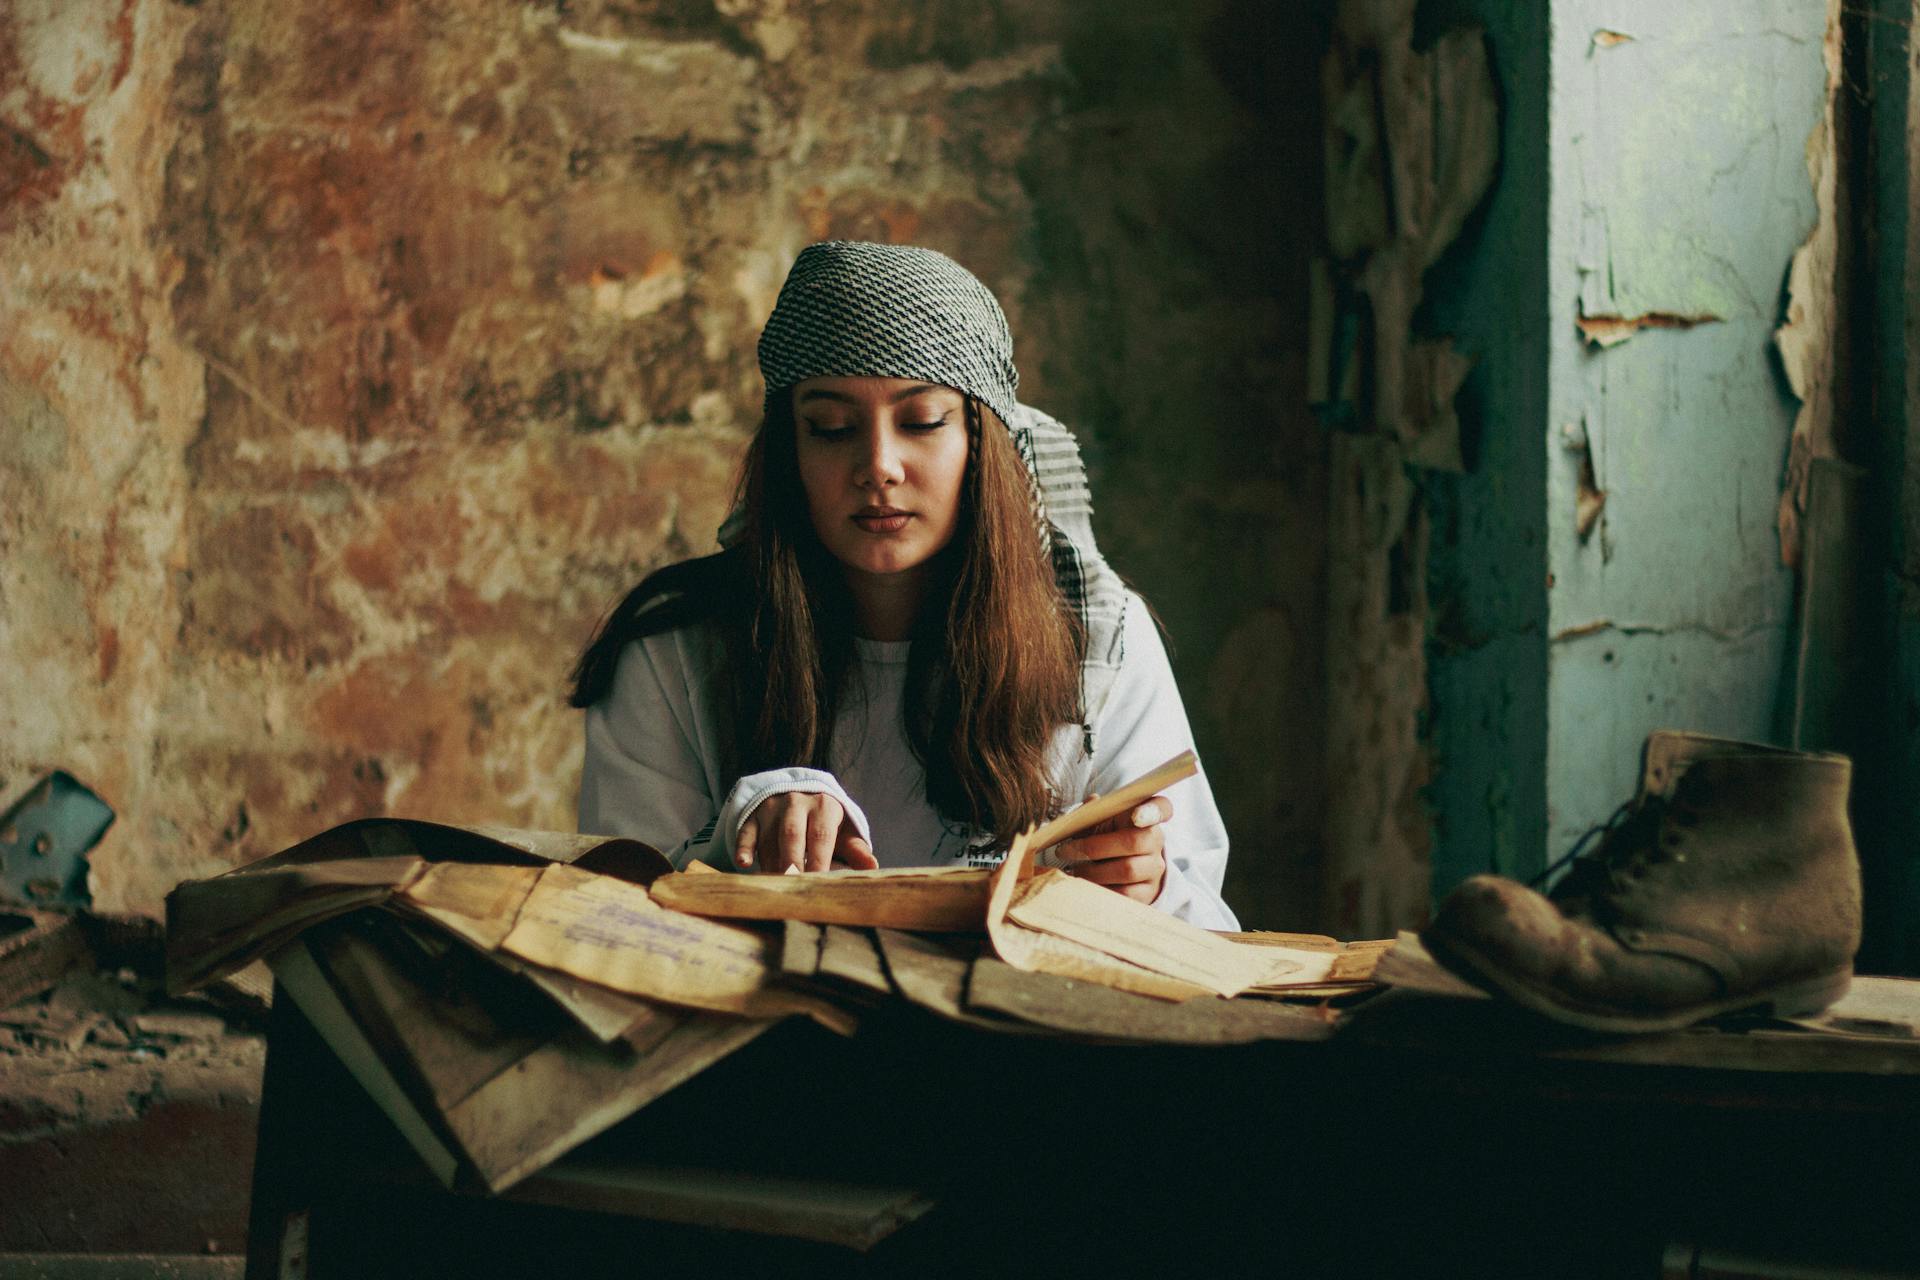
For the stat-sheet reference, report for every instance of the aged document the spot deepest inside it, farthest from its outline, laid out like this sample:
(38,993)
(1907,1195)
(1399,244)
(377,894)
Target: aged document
(1067,907)
(609,932)
(612,933)
(1054,923)
(478,902)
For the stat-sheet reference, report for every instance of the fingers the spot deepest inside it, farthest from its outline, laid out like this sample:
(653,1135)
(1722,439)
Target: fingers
(799,831)
(791,849)
(1140,868)
(851,852)
(1148,813)
(1130,861)
(823,832)
(1112,844)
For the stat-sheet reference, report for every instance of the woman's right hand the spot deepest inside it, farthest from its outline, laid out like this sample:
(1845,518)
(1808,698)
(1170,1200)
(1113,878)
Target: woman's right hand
(792,831)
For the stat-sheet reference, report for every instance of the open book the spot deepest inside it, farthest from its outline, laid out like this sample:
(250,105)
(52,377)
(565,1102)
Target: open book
(1039,920)
(924,899)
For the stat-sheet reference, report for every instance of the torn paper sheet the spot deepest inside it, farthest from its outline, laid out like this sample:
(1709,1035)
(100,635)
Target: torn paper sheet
(479,904)
(929,899)
(798,955)
(1080,911)
(1038,952)
(610,932)
(1097,940)
(1324,962)
(476,901)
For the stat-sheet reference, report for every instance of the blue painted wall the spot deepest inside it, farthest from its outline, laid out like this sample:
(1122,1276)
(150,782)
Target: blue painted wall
(1679,186)
(1663,173)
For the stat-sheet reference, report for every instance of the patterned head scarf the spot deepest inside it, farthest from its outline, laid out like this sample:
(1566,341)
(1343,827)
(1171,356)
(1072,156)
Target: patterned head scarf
(850,310)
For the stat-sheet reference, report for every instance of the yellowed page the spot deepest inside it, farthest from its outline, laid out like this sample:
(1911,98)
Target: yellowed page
(1044,953)
(479,902)
(1024,948)
(930,900)
(219,925)
(1080,911)
(1057,924)
(1357,960)
(610,932)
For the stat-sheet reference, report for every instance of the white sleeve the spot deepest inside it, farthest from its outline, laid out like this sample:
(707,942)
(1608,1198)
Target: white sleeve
(755,787)
(652,766)
(1142,724)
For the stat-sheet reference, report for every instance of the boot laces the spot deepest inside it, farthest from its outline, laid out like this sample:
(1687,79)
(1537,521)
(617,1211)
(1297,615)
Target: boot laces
(1626,838)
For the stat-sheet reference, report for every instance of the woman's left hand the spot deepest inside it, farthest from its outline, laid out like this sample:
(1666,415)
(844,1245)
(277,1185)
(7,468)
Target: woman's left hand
(1126,853)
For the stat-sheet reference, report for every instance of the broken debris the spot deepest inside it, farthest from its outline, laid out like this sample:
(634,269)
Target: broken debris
(44,839)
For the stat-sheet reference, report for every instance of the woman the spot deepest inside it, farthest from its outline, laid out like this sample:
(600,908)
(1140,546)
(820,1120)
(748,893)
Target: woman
(909,649)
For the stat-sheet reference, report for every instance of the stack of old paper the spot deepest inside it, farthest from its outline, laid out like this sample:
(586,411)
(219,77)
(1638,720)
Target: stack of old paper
(217,926)
(407,945)
(506,995)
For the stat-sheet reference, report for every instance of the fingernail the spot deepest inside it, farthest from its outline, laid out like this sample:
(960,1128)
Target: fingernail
(792,870)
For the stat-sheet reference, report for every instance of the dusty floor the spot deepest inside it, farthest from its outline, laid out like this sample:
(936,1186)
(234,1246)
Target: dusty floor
(126,1123)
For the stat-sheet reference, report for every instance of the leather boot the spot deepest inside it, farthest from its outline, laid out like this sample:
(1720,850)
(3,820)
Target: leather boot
(1729,881)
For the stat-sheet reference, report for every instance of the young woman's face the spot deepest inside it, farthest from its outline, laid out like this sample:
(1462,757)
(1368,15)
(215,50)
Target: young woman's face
(883,462)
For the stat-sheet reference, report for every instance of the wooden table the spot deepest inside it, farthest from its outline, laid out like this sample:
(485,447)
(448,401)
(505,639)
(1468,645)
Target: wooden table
(1432,1137)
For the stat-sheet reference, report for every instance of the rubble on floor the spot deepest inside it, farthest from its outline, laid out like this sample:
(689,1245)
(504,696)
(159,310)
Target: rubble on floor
(127,1118)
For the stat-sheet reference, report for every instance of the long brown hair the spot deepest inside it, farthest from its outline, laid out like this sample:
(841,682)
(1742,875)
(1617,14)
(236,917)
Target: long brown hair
(993,671)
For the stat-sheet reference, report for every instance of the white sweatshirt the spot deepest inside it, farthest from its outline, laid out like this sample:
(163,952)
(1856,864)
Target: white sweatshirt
(653,764)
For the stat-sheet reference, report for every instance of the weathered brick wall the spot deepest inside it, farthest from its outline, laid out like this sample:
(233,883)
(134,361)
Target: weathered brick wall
(354,357)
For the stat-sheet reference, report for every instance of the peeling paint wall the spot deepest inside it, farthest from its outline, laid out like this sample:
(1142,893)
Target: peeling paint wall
(1680,188)
(353,359)
(1612,561)
(1487,579)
